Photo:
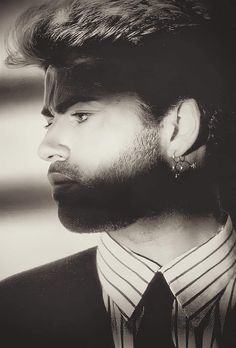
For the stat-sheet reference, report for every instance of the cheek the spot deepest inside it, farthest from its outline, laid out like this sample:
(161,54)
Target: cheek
(100,145)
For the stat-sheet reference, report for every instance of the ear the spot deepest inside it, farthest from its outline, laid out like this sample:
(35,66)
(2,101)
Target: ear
(185,125)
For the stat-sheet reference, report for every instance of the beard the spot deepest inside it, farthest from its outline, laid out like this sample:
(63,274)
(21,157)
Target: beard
(132,187)
(110,205)
(138,185)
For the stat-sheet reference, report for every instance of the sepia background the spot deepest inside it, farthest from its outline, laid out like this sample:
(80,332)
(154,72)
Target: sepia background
(30,233)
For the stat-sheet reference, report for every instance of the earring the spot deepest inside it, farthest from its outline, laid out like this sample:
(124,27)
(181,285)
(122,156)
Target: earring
(180,165)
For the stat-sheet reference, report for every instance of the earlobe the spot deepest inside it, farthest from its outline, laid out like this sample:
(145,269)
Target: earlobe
(186,130)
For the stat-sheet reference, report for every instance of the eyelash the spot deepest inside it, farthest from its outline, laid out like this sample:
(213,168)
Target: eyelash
(76,114)
(47,125)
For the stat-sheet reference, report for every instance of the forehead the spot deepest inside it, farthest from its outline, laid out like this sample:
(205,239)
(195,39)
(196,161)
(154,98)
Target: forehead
(85,80)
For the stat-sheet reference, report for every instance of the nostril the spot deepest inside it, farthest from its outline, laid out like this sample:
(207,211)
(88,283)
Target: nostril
(56,157)
(53,151)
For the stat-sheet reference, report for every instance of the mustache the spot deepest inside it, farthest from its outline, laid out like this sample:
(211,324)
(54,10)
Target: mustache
(65,168)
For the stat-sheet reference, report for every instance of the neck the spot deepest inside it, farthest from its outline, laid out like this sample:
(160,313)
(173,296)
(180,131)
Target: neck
(166,237)
(190,215)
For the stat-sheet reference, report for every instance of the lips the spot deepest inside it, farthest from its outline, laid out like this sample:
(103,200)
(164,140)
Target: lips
(58,179)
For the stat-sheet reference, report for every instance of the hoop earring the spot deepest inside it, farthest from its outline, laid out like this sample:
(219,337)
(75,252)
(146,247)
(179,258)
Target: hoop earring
(180,165)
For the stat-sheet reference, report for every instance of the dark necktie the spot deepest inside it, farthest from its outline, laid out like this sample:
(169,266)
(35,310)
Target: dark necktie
(155,326)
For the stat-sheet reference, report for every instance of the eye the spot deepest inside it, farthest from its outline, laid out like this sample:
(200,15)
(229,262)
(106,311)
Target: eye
(81,116)
(49,122)
(48,125)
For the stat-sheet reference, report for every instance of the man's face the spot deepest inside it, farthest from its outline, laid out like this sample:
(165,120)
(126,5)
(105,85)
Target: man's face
(104,158)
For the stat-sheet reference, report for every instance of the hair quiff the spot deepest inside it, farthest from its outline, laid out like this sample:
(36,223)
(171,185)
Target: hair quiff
(42,30)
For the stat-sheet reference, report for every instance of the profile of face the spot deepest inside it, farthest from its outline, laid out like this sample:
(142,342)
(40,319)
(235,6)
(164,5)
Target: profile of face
(107,165)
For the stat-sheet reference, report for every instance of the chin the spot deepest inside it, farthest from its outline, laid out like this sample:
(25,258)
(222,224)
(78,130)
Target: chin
(110,206)
(89,221)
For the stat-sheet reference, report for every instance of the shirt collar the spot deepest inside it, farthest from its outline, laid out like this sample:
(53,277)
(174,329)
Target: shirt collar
(196,278)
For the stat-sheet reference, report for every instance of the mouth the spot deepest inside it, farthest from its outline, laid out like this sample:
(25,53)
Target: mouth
(59,180)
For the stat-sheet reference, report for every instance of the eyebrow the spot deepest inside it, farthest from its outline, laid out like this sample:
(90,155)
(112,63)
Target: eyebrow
(60,108)
(46,112)
(65,105)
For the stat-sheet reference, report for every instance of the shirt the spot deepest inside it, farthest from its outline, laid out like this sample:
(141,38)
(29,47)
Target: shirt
(202,281)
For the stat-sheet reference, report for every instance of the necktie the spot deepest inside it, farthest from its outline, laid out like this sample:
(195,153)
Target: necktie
(155,326)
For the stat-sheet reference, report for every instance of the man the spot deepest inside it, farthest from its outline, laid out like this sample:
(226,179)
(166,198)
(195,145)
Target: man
(139,120)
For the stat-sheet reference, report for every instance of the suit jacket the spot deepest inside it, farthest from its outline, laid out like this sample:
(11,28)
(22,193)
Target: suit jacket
(61,305)
(57,305)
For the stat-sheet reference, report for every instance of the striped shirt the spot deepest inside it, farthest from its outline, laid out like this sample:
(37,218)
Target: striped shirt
(202,281)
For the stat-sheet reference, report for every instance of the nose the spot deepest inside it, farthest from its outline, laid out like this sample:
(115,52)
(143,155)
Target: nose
(53,148)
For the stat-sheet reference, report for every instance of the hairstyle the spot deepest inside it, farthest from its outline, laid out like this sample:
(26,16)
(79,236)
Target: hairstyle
(173,38)
(44,29)
(172,49)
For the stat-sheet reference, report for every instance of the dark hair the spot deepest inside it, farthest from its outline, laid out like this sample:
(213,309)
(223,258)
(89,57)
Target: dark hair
(42,30)
(172,50)
(163,40)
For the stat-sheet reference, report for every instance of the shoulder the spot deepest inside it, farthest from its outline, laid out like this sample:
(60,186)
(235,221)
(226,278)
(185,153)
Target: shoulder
(53,285)
(63,270)
(53,305)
